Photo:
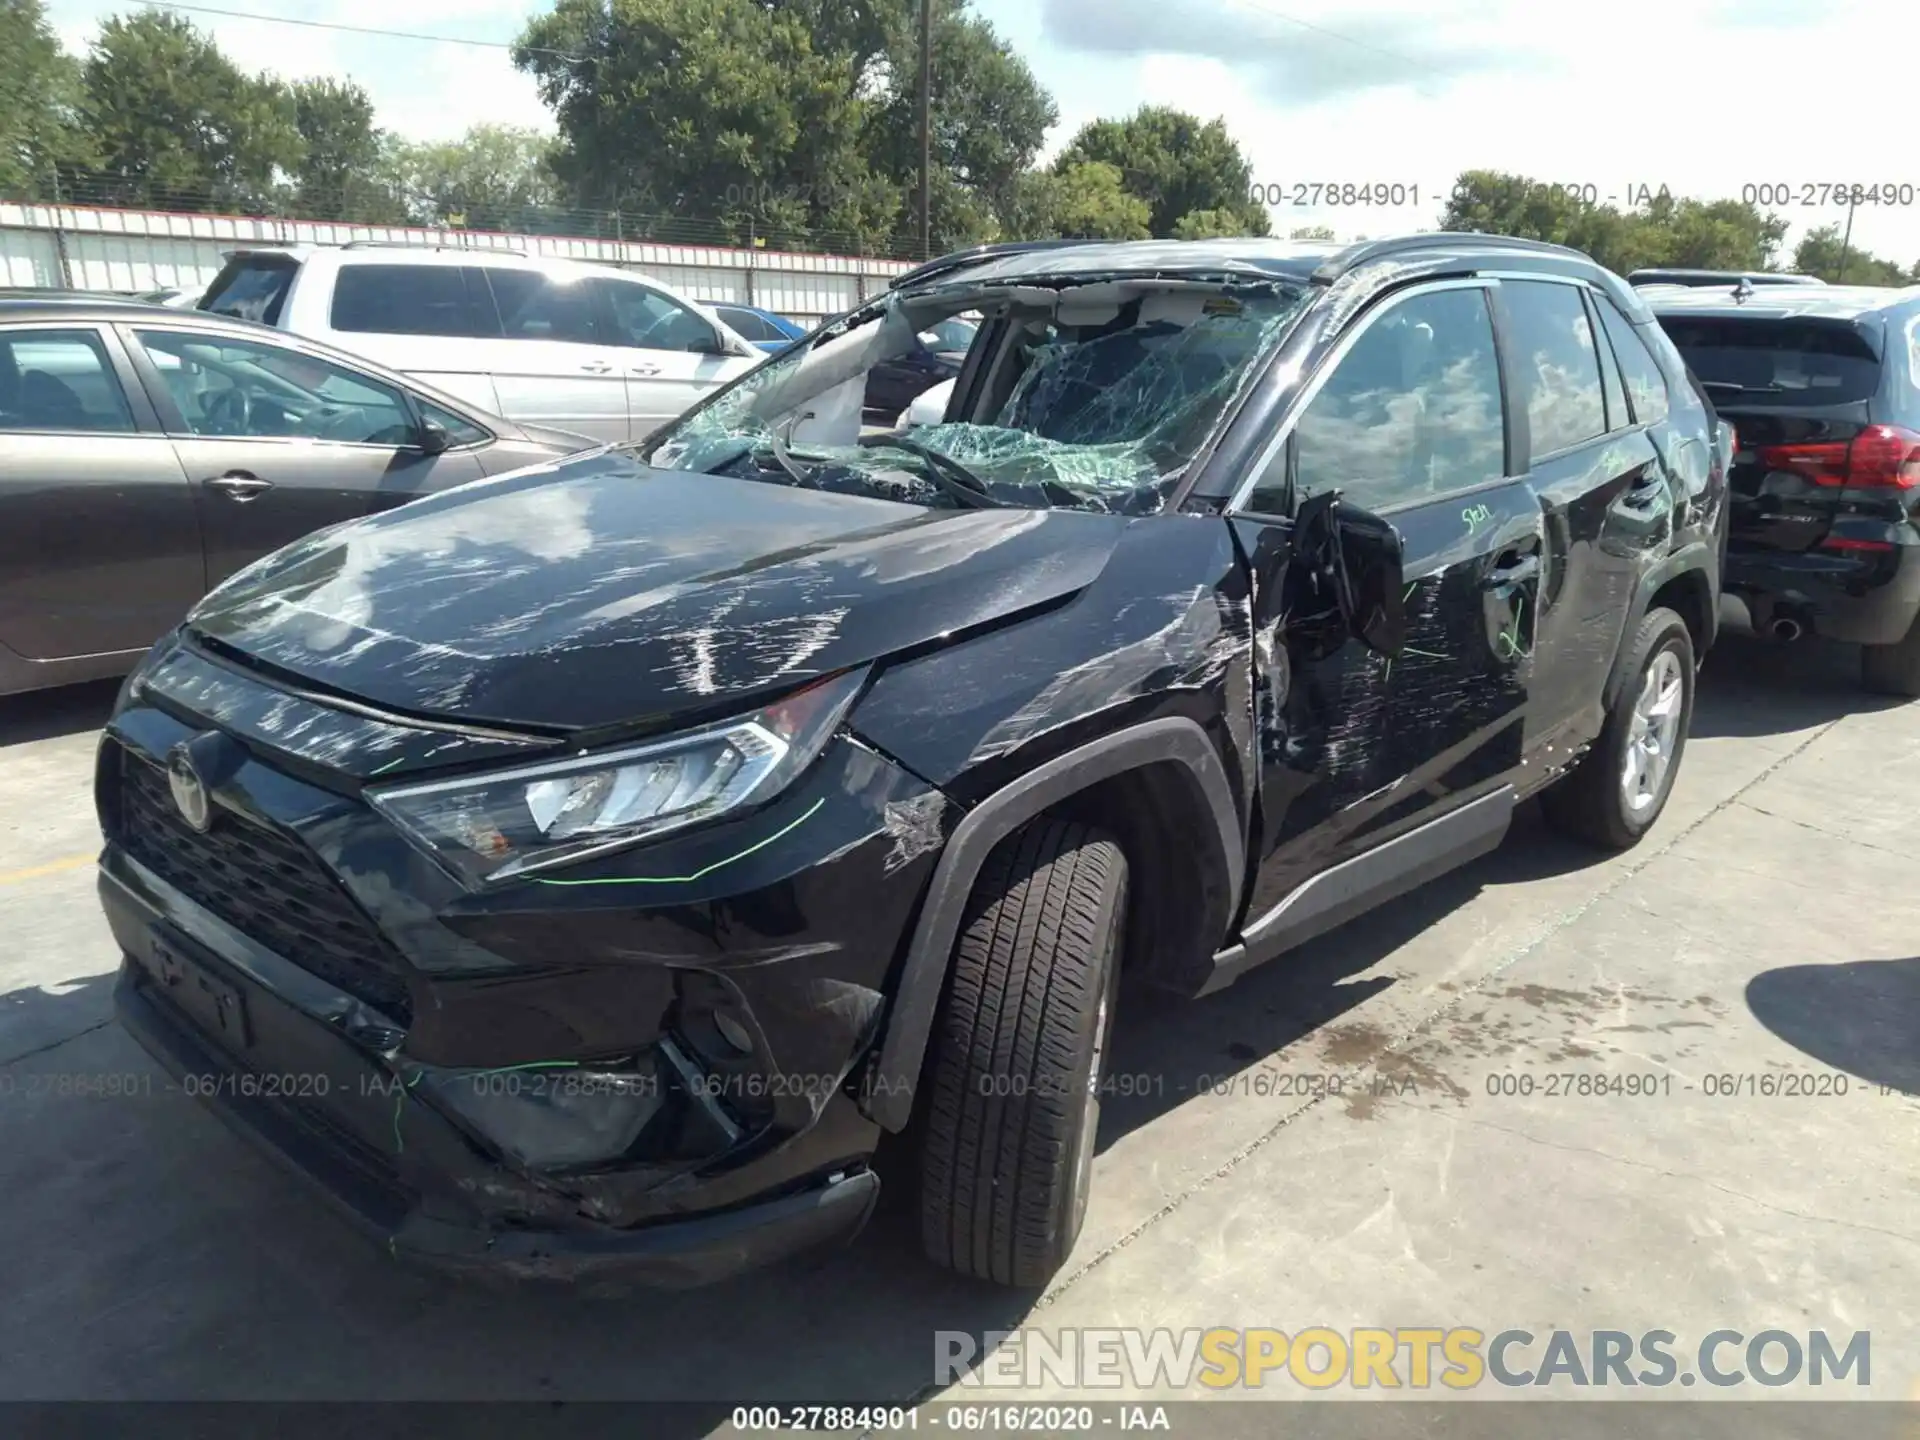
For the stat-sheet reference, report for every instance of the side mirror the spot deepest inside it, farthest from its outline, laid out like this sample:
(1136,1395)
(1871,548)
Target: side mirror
(1359,557)
(432,438)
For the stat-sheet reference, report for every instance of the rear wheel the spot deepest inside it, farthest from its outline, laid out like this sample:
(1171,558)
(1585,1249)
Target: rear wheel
(1616,792)
(1893,669)
(1013,1097)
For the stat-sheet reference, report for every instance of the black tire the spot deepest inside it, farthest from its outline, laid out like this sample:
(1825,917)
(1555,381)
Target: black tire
(1012,1094)
(1589,803)
(1893,669)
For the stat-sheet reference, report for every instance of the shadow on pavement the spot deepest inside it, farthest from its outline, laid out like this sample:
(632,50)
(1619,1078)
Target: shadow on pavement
(45,714)
(1860,1017)
(1754,687)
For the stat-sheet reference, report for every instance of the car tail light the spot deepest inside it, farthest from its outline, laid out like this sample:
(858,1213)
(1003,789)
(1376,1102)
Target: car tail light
(1879,457)
(1844,542)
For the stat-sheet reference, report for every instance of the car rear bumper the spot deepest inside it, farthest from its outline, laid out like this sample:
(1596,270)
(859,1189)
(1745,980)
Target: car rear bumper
(1869,597)
(325,1107)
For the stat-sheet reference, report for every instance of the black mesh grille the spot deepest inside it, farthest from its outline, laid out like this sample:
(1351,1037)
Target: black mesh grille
(265,884)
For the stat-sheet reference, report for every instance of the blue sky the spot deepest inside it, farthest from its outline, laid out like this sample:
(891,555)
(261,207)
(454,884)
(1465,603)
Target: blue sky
(1703,96)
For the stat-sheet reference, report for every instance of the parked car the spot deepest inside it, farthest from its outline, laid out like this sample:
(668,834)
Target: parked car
(934,357)
(147,454)
(1823,387)
(590,349)
(625,850)
(172,296)
(1715,279)
(771,332)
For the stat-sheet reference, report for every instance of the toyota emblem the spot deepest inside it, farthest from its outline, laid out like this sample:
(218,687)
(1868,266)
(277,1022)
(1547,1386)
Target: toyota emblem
(189,790)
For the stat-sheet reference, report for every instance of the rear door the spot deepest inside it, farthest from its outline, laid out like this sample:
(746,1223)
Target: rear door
(99,540)
(670,354)
(1798,390)
(1406,419)
(278,443)
(1604,492)
(550,365)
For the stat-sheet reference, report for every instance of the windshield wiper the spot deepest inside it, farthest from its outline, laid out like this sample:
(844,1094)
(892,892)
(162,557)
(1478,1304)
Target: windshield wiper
(946,472)
(1744,389)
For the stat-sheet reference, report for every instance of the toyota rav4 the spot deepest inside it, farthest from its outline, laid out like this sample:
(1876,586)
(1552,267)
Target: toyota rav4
(586,868)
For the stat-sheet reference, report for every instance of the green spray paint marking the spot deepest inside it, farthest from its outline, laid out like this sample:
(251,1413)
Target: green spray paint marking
(388,766)
(702,873)
(1475,516)
(1423,654)
(1508,641)
(400,1099)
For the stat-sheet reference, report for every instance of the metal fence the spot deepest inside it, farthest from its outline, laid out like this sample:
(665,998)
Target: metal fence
(95,248)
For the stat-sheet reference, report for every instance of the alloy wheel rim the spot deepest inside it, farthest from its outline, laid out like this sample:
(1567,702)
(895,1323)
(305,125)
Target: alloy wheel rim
(1653,733)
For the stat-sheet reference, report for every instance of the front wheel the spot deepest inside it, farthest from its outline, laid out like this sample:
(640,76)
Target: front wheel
(1616,792)
(1013,1100)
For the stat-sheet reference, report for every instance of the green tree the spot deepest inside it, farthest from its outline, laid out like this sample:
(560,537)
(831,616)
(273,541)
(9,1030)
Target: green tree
(494,177)
(707,110)
(176,123)
(1664,230)
(1176,163)
(790,121)
(1819,254)
(1210,225)
(339,176)
(1311,232)
(1085,201)
(39,95)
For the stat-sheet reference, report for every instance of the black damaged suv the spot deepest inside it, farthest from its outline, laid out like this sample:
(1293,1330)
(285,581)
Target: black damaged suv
(583,869)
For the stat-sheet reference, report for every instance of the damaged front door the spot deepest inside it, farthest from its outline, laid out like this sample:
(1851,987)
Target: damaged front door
(1363,740)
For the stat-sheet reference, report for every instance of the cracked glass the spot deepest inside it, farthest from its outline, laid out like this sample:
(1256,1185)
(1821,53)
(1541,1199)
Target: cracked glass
(1092,397)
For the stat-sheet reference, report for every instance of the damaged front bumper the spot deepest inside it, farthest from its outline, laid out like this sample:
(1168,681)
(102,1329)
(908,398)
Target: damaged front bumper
(656,1078)
(456,1223)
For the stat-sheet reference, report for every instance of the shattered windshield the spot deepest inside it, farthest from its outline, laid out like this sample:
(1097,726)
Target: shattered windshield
(1092,396)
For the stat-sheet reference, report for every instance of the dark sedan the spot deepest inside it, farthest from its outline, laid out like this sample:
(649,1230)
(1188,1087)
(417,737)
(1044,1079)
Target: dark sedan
(146,454)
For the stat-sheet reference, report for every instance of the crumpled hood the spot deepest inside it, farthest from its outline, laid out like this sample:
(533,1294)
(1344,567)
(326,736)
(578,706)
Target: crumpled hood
(598,591)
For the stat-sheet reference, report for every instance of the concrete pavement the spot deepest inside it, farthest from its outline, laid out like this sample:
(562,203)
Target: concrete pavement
(1766,929)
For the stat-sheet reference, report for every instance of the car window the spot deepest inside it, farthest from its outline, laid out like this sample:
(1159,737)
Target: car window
(748,325)
(1646,385)
(641,316)
(1619,417)
(534,306)
(242,389)
(59,380)
(251,289)
(461,430)
(1762,362)
(1559,369)
(1413,410)
(402,300)
(952,337)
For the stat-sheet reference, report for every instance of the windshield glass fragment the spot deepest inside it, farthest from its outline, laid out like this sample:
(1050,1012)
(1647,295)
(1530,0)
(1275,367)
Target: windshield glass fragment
(1090,396)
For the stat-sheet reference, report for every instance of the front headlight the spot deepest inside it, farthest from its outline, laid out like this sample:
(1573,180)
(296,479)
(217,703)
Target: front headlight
(492,827)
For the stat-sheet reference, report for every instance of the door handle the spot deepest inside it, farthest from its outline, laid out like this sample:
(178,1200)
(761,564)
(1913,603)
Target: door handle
(239,486)
(1512,569)
(646,370)
(597,367)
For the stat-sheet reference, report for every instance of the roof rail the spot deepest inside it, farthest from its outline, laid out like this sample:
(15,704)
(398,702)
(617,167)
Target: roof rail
(983,252)
(1368,251)
(433,245)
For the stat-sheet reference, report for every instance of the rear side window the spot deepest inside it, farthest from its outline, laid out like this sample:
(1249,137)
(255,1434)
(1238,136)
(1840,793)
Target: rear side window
(402,300)
(1646,386)
(59,380)
(749,326)
(1765,361)
(533,306)
(1558,368)
(251,288)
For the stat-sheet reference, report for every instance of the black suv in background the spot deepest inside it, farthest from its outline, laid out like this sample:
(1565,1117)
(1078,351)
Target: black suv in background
(1822,386)
(586,868)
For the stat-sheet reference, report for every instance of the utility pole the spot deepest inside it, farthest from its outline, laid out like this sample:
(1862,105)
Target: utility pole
(1846,241)
(926,129)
